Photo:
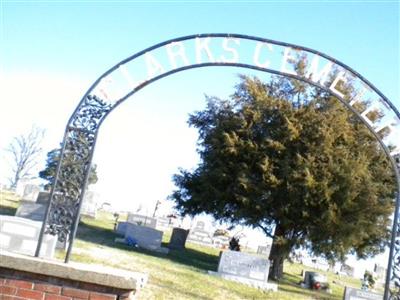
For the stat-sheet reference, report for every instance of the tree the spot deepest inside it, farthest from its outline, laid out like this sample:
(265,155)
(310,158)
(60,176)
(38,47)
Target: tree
(295,163)
(25,150)
(49,172)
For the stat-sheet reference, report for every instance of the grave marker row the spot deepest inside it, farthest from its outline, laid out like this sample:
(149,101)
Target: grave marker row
(34,202)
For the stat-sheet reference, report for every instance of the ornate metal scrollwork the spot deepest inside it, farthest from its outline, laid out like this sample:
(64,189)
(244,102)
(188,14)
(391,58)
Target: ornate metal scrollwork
(75,163)
(394,288)
(395,278)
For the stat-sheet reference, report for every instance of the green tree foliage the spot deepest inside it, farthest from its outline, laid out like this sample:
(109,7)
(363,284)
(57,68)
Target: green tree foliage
(295,163)
(49,172)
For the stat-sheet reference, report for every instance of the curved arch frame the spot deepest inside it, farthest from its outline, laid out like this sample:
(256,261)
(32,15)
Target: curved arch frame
(68,189)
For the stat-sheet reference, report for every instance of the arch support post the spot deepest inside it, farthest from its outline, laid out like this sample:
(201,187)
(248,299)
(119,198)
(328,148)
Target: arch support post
(73,171)
(392,283)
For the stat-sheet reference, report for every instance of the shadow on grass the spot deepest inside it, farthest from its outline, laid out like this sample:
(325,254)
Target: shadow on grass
(306,292)
(194,258)
(188,257)
(291,279)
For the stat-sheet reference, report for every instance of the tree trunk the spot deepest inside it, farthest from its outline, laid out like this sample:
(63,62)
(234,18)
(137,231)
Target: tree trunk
(279,252)
(15,181)
(276,272)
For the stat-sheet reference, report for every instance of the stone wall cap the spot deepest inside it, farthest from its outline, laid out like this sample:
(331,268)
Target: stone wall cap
(96,274)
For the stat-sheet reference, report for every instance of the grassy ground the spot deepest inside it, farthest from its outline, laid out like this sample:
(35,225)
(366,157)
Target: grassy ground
(183,274)
(179,274)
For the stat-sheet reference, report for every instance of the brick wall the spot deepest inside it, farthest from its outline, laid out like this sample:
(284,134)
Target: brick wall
(24,277)
(23,286)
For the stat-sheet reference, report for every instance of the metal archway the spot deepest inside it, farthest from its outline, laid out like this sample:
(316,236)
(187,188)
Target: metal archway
(175,55)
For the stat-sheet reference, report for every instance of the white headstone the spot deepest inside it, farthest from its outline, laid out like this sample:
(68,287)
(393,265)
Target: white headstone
(89,204)
(163,223)
(145,237)
(19,190)
(244,265)
(245,268)
(348,270)
(199,235)
(31,192)
(264,250)
(355,294)
(380,272)
(316,262)
(221,241)
(200,225)
(142,220)
(21,235)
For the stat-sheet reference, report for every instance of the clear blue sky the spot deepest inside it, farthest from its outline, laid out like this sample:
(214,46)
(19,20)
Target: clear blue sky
(87,37)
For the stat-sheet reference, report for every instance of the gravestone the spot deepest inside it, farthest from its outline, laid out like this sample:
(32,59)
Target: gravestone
(380,272)
(243,265)
(245,268)
(348,270)
(178,238)
(316,263)
(43,197)
(221,241)
(19,190)
(163,223)
(89,205)
(199,235)
(145,237)
(200,225)
(142,220)
(31,192)
(356,294)
(121,228)
(21,235)
(31,210)
(264,250)
(175,221)
(36,211)
(307,278)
